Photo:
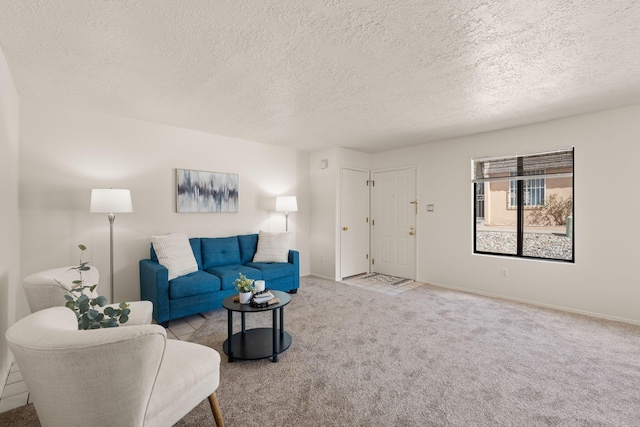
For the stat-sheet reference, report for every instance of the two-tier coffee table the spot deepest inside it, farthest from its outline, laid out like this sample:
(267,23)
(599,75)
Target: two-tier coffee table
(257,343)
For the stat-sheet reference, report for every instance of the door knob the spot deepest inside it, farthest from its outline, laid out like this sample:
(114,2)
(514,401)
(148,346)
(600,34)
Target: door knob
(411,233)
(345,228)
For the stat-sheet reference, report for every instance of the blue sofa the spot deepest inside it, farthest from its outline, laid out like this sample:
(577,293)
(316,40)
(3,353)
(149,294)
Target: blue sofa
(220,260)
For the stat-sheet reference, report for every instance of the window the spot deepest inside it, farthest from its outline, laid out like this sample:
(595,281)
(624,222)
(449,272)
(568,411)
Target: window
(533,190)
(527,206)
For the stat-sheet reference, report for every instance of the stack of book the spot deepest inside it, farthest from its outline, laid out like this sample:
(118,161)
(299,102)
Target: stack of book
(263,296)
(263,299)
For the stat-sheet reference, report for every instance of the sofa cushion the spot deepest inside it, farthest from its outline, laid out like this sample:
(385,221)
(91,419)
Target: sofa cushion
(274,270)
(248,246)
(195,246)
(197,283)
(272,247)
(229,273)
(175,253)
(221,251)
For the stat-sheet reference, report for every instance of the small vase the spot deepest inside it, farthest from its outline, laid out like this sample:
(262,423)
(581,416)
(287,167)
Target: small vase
(245,297)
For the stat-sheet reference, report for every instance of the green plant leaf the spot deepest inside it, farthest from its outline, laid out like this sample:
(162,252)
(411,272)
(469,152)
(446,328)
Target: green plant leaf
(92,314)
(109,311)
(123,305)
(83,323)
(124,318)
(82,247)
(83,307)
(93,288)
(101,301)
(109,323)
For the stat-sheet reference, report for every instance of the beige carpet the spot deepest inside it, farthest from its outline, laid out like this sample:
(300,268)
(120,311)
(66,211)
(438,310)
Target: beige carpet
(428,357)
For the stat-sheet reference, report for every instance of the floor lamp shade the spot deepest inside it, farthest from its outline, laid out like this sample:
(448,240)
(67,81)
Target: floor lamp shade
(110,201)
(286,204)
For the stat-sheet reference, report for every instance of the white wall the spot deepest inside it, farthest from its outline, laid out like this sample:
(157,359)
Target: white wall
(65,152)
(10,301)
(323,188)
(325,185)
(603,280)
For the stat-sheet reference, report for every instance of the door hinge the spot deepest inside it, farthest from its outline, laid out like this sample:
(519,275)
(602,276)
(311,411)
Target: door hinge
(373,222)
(367,256)
(372,182)
(367,220)
(373,261)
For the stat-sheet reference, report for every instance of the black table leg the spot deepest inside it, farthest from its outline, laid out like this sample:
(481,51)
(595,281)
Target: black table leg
(230,333)
(275,336)
(244,324)
(281,324)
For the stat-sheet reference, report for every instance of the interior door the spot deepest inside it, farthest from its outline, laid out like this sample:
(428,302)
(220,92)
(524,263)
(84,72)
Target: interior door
(394,223)
(354,223)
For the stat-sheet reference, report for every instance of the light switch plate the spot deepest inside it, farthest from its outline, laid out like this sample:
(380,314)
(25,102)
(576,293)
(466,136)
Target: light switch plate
(429,208)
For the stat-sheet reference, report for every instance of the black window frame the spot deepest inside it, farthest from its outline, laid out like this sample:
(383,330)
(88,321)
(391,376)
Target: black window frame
(520,226)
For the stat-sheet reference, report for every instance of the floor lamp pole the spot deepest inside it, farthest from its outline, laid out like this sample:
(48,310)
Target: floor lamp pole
(112,217)
(286,221)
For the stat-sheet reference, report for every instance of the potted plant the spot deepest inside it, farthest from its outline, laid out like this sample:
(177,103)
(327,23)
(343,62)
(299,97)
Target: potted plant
(84,304)
(244,286)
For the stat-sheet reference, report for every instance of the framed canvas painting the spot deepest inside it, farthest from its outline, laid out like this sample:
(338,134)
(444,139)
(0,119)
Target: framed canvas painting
(201,191)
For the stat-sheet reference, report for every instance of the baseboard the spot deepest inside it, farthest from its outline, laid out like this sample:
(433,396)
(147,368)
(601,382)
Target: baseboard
(539,304)
(320,276)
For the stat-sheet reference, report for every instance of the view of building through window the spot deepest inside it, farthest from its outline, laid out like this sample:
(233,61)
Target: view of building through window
(524,205)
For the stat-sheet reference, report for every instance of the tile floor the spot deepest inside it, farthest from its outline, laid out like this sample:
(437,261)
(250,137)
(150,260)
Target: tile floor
(15,393)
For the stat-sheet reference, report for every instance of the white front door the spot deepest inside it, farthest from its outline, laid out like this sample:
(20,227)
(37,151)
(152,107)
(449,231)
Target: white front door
(354,223)
(393,223)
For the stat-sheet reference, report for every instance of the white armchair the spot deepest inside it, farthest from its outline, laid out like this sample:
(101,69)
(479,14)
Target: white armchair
(48,288)
(129,376)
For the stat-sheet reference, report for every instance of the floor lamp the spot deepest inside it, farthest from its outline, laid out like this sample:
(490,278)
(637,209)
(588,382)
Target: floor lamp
(110,201)
(286,204)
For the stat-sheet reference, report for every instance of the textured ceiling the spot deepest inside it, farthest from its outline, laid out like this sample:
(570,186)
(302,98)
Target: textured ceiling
(363,74)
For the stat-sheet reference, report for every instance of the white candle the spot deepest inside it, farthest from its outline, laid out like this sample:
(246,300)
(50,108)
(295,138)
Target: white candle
(259,285)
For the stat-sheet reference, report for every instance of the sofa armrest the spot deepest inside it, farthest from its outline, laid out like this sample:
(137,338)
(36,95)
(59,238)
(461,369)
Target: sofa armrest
(154,287)
(294,258)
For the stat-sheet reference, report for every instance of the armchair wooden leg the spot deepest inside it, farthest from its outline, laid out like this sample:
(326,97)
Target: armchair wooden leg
(215,408)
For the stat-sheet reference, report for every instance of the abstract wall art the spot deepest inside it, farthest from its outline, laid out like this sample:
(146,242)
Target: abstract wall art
(200,191)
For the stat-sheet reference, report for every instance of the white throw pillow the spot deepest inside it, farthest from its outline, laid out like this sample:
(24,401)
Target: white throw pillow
(272,247)
(175,253)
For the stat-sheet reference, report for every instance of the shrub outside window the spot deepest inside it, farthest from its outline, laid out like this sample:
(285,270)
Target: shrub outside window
(527,205)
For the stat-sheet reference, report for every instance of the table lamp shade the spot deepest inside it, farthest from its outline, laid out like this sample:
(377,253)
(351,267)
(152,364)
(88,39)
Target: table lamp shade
(286,204)
(110,201)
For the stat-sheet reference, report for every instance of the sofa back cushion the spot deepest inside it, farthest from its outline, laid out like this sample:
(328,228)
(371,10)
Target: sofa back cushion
(220,251)
(248,246)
